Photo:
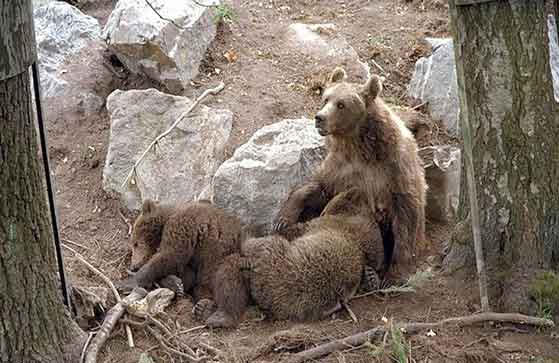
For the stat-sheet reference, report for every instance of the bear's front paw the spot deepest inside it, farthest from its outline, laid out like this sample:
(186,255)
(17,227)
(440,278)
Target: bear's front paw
(282,222)
(127,285)
(203,309)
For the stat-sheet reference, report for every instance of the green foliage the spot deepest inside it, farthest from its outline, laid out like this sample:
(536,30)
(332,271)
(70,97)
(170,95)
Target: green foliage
(545,290)
(393,348)
(224,13)
(399,346)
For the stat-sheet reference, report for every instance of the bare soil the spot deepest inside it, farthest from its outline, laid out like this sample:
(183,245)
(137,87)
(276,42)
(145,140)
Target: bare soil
(264,85)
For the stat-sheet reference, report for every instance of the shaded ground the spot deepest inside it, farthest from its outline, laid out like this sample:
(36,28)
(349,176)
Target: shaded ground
(264,85)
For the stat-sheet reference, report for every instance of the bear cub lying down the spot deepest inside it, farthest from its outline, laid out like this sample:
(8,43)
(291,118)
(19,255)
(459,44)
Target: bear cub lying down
(190,241)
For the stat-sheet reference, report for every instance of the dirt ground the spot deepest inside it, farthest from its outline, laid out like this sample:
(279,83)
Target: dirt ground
(265,85)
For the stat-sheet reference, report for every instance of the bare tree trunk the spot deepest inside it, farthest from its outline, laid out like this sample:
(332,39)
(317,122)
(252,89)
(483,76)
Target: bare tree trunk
(506,95)
(34,326)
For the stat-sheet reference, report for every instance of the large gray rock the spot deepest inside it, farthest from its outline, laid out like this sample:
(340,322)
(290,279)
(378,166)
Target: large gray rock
(442,173)
(434,78)
(325,48)
(62,32)
(183,162)
(37,3)
(168,51)
(262,172)
(434,82)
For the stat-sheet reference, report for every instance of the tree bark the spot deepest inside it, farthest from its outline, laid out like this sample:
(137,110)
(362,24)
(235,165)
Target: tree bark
(17,43)
(506,97)
(34,326)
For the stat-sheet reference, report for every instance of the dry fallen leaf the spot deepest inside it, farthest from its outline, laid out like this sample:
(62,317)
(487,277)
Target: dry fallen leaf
(231,56)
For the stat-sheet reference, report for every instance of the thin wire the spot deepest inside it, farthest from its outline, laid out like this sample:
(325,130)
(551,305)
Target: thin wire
(50,194)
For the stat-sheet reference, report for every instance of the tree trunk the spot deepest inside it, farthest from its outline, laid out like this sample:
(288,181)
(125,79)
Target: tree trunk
(34,326)
(506,97)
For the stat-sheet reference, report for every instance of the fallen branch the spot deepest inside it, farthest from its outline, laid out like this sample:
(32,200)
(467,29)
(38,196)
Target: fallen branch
(108,282)
(166,346)
(350,312)
(111,319)
(211,91)
(412,328)
(84,349)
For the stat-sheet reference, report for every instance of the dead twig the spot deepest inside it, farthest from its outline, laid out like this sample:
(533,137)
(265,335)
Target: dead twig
(127,222)
(204,5)
(350,312)
(108,282)
(111,319)
(418,106)
(75,244)
(84,349)
(162,17)
(199,327)
(164,344)
(412,328)
(207,92)
(378,66)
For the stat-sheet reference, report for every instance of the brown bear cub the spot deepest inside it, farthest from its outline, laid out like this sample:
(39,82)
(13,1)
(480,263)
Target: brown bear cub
(310,276)
(369,148)
(191,241)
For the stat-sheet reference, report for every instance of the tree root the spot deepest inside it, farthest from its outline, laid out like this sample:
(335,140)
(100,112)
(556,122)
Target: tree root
(413,328)
(111,319)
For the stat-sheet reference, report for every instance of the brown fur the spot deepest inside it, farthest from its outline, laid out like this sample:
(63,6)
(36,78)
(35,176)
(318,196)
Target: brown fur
(305,278)
(190,240)
(370,149)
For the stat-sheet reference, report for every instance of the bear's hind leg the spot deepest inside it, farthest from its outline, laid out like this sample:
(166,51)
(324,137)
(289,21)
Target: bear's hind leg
(231,293)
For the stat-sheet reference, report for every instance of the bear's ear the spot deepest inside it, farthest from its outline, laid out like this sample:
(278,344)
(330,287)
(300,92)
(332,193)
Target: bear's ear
(148,206)
(338,75)
(372,88)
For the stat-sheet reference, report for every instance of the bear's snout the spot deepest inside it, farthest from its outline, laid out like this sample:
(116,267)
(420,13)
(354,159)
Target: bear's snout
(320,123)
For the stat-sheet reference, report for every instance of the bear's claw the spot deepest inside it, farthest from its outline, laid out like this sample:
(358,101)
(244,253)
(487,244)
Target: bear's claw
(203,309)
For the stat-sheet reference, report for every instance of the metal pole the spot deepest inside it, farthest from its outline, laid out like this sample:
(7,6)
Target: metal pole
(50,192)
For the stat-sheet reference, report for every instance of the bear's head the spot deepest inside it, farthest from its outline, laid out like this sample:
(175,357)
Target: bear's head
(344,105)
(146,234)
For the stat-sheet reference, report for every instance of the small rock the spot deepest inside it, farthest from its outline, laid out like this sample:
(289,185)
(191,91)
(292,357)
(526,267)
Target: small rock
(166,50)
(183,162)
(262,172)
(325,46)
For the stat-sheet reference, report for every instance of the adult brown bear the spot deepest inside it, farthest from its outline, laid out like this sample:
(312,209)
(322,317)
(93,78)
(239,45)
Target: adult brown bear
(371,149)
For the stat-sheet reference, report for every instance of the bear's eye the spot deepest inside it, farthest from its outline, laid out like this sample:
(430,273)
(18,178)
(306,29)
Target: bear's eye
(325,102)
(340,105)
